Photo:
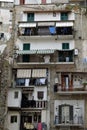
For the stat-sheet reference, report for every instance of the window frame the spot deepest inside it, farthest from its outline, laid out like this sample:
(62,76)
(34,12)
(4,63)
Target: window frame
(40,95)
(30,17)
(16,94)
(64,16)
(65,46)
(26,46)
(13,119)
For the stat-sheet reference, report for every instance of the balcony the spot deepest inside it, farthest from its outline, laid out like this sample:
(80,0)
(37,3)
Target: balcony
(30,83)
(45,57)
(33,104)
(38,29)
(75,122)
(69,90)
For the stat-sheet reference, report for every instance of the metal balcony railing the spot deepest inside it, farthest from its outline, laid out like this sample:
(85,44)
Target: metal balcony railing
(34,104)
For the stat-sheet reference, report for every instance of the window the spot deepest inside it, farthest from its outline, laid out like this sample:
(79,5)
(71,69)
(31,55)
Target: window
(65,114)
(64,16)
(65,45)
(22,2)
(30,17)
(26,46)
(54,14)
(13,119)
(26,58)
(16,94)
(40,94)
(43,1)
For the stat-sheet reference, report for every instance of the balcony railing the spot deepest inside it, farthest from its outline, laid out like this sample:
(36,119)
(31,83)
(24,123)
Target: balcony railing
(58,88)
(34,104)
(76,121)
(66,59)
(45,28)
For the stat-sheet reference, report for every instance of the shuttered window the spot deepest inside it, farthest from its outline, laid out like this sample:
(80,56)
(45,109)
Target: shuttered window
(30,17)
(26,46)
(65,45)
(64,16)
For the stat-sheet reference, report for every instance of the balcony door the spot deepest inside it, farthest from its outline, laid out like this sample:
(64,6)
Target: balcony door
(65,114)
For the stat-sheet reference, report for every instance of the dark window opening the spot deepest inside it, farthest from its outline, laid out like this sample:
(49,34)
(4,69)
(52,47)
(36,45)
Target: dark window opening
(13,119)
(40,94)
(65,56)
(26,58)
(26,102)
(30,31)
(64,30)
(16,94)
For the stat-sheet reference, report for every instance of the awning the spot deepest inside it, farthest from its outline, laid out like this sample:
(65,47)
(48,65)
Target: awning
(64,24)
(39,73)
(23,73)
(47,51)
(27,25)
(26,52)
(42,51)
(46,23)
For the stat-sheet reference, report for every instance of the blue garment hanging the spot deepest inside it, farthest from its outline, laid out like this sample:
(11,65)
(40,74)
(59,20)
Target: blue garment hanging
(52,30)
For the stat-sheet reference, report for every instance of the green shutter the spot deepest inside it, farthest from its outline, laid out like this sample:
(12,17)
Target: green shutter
(65,45)
(64,16)
(26,46)
(30,17)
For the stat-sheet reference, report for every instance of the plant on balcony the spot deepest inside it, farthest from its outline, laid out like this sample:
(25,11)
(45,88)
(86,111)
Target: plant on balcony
(85,85)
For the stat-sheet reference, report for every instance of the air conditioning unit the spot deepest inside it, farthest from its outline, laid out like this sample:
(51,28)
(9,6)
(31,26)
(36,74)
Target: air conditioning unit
(76,52)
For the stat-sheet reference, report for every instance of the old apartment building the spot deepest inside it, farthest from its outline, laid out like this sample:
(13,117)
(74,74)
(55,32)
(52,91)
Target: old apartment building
(46,53)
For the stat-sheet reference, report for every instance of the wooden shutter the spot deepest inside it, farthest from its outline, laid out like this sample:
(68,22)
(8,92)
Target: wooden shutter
(63,82)
(71,113)
(60,113)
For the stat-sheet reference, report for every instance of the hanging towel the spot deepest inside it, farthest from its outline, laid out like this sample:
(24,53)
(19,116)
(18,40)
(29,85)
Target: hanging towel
(27,82)
(52,30)
(39,127)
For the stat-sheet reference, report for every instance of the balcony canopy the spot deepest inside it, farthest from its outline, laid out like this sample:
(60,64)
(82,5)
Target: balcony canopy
(46,23)
(64,24)
(27,25)
(42,51)
(39,73)
(23,73)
